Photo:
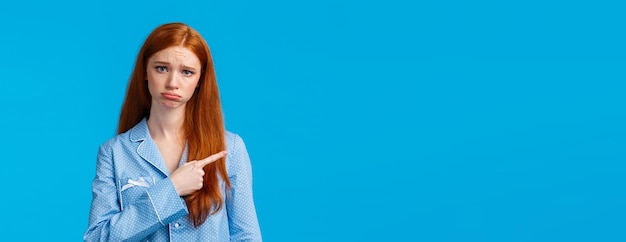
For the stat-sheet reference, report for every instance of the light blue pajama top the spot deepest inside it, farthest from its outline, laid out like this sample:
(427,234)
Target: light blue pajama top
(135,200)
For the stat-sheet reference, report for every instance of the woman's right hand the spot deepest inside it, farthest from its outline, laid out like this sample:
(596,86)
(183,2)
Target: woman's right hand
(188,178)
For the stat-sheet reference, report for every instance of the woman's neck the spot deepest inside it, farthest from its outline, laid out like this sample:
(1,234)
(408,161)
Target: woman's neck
(167,124)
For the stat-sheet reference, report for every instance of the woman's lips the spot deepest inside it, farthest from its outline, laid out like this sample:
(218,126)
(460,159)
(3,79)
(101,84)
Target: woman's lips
(171,96)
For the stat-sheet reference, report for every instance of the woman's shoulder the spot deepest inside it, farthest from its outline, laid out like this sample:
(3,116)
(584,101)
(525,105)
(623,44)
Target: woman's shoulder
(235,144)
(231,136)
(137,133)
(117,140)
(233,140)
(237,160)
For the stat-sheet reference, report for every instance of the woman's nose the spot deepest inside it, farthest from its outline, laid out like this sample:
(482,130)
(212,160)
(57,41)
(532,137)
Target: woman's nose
(172,81)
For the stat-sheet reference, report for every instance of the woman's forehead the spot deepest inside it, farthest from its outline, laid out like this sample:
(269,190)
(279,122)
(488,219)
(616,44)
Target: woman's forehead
(176,55)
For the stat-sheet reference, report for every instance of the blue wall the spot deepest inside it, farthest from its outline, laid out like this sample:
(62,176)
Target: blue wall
(365,120)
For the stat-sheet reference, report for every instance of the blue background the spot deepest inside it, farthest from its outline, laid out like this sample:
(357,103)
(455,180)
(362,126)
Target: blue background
(365,120)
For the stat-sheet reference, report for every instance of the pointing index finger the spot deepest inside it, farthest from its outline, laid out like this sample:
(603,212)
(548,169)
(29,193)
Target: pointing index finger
(211,159)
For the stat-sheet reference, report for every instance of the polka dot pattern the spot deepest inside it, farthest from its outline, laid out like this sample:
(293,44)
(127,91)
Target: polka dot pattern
(134,199)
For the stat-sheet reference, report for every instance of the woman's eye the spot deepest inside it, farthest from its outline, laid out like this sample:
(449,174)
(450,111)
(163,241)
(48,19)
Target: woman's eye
(161,68)
(187,72)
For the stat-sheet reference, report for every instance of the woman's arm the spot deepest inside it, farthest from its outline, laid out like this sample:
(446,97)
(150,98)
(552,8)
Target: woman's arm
(242,217)
(154,208)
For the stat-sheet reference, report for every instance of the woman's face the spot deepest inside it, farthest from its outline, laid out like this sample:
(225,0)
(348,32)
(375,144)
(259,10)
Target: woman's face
(173,76)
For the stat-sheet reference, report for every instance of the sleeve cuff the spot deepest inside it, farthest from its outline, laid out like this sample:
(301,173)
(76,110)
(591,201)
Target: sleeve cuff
(167,205)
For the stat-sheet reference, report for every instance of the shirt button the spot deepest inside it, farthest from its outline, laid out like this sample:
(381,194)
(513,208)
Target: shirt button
(176,225)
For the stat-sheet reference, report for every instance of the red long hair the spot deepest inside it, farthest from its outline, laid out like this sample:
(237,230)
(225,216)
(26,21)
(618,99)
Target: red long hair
(203,125)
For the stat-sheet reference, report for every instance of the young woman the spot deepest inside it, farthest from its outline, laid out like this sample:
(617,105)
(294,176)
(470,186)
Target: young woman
(173,173)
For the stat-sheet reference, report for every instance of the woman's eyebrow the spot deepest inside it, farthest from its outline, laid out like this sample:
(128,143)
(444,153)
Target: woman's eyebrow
(161,62)
(188,68)
(183,66)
